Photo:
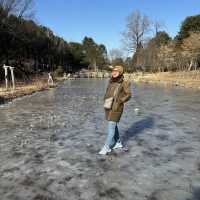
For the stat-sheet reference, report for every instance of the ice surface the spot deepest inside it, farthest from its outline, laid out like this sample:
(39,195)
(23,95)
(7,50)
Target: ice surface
(49,143)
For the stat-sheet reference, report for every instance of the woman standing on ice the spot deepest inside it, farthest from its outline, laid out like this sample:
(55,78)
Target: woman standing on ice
(118,92)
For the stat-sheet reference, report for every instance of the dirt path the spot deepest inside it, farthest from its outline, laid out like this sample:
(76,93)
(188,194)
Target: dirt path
(49,143)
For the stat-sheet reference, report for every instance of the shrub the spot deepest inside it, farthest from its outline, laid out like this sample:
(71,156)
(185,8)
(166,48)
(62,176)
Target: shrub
(58,72)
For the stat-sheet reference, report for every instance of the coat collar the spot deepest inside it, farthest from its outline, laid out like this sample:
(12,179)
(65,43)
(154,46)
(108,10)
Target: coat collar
(119,79)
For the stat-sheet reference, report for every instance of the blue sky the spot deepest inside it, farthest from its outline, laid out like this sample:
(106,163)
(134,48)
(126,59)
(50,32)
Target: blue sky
(104,20)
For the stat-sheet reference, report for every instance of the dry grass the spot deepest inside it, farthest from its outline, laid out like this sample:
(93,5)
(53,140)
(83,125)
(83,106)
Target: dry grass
(22,88)
(184,79)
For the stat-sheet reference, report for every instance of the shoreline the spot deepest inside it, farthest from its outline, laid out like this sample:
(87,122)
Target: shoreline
(189,80)
(24,90)
(11,96)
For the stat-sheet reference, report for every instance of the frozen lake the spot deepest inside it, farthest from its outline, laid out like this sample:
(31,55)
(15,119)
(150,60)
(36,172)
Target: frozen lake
(49,143)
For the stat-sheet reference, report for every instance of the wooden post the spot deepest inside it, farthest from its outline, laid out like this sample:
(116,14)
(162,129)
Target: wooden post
(50,79)
(88,68)
(95,68)
(13,77)
(191,65)
(6,75)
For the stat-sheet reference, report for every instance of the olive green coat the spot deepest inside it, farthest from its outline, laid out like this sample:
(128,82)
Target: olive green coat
(124,94)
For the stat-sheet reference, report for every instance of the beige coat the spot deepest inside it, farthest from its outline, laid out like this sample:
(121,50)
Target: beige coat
(124,94)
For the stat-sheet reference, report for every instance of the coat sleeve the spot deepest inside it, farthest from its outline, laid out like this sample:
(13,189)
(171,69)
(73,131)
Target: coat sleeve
(127,92)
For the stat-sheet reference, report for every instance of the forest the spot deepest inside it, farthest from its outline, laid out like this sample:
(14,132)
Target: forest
(154,50)
(33,48)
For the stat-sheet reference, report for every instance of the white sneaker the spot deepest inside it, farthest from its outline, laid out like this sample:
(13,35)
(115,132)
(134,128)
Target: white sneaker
(118,145)
(105,150)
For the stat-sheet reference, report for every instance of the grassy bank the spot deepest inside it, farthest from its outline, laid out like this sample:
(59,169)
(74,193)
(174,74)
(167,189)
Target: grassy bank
(182,79)
(24,88)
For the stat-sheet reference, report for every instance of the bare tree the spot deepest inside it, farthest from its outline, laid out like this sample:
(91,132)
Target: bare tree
(116,57)
(9,6)
(26,8)
(158,25)
(20,8)
(116,53)
(137,27)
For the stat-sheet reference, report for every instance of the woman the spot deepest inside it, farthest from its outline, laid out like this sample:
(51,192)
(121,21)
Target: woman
(119,89)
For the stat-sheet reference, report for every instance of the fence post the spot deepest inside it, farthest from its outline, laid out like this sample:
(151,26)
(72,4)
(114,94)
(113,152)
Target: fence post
(50,79)
(13,77)
(6,75)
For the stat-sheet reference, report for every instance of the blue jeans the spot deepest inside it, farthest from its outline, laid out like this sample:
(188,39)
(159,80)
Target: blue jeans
(113,134)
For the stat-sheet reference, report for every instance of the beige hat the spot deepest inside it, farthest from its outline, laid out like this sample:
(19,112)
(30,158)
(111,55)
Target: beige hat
(119,68)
